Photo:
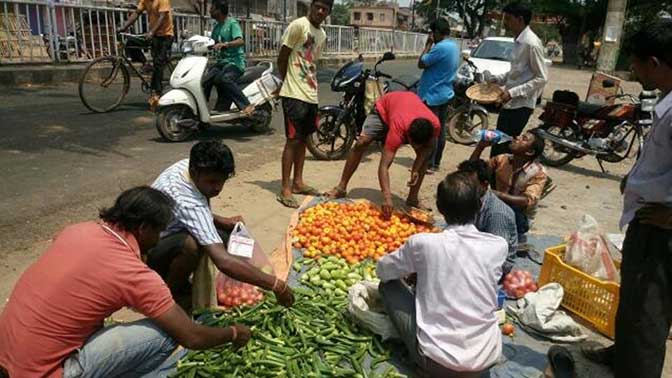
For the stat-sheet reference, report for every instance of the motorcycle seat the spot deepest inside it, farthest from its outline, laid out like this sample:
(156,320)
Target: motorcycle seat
(250,74)
(588,109)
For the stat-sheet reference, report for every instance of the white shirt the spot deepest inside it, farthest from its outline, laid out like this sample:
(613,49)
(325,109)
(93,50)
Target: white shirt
(192,209)
(650,179)
(456,294)
(528,75)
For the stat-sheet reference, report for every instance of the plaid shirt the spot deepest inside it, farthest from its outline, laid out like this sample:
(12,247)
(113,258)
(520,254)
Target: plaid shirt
(497,218)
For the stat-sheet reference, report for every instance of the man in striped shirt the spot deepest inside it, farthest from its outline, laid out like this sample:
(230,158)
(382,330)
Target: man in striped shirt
(191,183)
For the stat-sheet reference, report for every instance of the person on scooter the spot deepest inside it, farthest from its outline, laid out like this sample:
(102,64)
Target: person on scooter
(230,64)
(397,118)
(519,179)
(302,45)
(525,82)
(160,33)
(439,62)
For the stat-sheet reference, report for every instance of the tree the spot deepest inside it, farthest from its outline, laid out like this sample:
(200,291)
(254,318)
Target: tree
(472,12)
(574,18)
(340,14)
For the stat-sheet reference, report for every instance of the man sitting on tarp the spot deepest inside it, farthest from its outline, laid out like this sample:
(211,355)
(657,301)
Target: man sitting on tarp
(448,332)
(191,183)
(53,322)
(519,178)
(397,118)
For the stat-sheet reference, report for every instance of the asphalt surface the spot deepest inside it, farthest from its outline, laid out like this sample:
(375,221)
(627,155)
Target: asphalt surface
(61,163)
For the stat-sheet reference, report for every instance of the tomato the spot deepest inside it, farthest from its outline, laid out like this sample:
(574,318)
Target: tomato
(508,329)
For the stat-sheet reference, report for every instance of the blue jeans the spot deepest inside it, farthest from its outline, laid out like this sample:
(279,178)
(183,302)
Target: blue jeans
(225,79)
(137,349)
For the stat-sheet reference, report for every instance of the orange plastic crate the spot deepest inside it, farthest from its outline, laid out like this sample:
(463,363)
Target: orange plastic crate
(590,298)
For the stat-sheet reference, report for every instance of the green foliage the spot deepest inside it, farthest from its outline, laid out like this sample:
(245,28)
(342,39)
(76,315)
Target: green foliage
(340,14)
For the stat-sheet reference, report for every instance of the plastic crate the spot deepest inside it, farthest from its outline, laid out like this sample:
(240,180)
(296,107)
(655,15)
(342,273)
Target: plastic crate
(591,299)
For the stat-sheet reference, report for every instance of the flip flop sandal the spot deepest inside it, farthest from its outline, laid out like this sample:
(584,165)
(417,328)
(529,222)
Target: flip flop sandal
(287,201)
(562,362)
(340,193)
(307,191)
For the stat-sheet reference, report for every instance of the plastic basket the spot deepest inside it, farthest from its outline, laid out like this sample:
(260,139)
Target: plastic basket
(592,299)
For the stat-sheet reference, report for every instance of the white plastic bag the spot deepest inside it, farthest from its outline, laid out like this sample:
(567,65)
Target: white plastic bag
(588,250)
(366,307)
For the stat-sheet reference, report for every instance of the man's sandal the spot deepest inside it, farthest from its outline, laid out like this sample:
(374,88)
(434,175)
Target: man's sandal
(307,191)
(336,192)
(287,201)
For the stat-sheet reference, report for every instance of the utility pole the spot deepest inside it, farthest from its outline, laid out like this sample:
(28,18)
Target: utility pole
(438,8)
(612,35)
(284,11)
(413,15)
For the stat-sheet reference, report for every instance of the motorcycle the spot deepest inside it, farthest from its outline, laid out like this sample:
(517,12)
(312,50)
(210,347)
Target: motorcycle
(339,125)
(467,117)
(573,128)
(184,109)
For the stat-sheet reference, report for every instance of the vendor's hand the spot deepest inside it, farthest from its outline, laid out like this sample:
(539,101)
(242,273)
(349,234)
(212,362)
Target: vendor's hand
(243,335)
(505,97)
(388,207)
(236,219)
(284,295)
(219,46)
(656,215)
(415,176)
(149,36)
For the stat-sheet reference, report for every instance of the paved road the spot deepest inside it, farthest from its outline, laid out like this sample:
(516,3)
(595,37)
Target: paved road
(60,163)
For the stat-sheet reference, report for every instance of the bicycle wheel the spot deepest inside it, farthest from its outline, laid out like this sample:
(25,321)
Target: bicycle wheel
(104,84)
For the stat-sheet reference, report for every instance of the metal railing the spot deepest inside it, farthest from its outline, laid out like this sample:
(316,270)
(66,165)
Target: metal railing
(33,31)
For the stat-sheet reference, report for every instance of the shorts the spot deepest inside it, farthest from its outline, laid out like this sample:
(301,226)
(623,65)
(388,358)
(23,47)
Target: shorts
(301,118)
(374,127)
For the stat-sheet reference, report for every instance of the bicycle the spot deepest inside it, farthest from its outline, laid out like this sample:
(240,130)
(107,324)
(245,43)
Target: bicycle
(106,80)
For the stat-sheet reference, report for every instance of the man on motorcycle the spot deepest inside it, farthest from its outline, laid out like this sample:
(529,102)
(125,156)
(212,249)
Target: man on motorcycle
(160,15)
(302,45)
(439,62)
(230,60)
(519,178)
(644,314)
(397,118)
(525,82)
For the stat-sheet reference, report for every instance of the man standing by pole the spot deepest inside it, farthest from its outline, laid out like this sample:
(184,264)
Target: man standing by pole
(644,313)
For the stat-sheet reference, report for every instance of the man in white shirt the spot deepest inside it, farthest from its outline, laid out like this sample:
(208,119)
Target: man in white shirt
(449,324)
(644,313)
(525,82)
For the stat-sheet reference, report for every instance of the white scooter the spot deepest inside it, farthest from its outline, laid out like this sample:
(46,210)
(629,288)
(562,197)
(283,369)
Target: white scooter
(184,109)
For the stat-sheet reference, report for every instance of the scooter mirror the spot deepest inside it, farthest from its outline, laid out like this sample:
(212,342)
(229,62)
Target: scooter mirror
(388,56)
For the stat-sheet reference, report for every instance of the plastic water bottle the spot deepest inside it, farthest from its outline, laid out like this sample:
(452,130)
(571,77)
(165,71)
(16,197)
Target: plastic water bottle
(491,136)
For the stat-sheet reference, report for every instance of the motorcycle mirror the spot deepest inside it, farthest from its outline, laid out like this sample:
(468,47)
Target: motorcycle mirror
(608,83)
(388,56)
(466,54)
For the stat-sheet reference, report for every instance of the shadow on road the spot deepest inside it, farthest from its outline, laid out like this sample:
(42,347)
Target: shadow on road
(590,172)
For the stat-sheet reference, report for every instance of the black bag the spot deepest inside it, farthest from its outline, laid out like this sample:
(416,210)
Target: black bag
(566,97)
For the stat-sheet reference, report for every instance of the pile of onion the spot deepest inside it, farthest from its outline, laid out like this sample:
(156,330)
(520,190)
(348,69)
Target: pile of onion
(518,283)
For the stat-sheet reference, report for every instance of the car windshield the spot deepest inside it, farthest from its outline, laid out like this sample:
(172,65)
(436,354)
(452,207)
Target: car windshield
(496,50)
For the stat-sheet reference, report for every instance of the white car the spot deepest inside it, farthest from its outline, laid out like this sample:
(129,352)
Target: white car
(494,54)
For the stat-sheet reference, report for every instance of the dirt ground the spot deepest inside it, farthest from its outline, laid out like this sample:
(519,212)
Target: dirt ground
(581,189)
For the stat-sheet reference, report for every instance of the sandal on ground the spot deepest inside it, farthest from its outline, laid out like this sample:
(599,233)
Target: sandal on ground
(287,201)
(307,190)
(336,192)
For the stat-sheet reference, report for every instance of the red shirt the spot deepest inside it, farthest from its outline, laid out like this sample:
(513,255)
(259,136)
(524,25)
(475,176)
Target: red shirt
(63,298)
(398,110)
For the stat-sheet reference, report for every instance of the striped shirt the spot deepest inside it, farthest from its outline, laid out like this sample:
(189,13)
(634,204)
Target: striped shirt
(497,218)
(192,209)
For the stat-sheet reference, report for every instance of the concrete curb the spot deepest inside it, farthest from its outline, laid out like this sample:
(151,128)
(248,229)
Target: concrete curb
(16,75)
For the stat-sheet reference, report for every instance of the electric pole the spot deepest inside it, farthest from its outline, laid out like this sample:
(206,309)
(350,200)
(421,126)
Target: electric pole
(612,35)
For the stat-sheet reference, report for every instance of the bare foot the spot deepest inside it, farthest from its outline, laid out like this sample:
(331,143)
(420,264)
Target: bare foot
(249,110)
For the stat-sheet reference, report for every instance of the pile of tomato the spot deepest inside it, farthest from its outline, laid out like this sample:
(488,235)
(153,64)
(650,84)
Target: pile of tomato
(353,231)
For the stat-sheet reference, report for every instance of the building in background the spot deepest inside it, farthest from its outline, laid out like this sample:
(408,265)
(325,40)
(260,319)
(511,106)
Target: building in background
(380,15)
